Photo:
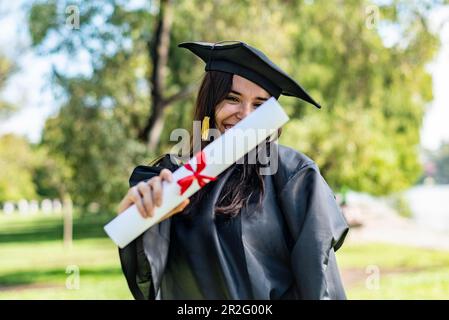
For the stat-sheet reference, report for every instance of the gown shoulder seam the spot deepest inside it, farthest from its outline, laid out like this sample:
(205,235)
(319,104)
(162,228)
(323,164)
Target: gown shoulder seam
(299,170)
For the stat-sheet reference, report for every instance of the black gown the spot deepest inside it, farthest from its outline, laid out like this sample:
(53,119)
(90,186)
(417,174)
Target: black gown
(285,250)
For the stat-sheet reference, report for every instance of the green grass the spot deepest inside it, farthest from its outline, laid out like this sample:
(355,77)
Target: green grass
(386,271)
(33,264)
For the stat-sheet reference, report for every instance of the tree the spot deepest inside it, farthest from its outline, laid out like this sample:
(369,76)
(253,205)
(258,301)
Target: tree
(51,174)
(29,172)
(373,95)
(97,151)
(123,27)
(16,163)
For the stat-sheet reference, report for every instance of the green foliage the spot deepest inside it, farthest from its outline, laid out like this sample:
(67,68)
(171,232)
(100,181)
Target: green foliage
(97,150)
(42,17)
(373,95)
(16,163)
(94,133)
(51,174)
(29,172)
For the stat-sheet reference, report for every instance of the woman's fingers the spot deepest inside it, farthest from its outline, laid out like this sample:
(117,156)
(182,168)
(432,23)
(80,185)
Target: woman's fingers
(166,175)
(156,185)
(147,195)
(156,188)
(136,198)
(147,199)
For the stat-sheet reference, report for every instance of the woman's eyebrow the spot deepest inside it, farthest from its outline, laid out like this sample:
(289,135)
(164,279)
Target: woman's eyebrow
(257,98)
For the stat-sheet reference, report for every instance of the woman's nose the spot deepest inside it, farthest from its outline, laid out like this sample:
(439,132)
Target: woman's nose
(245,109)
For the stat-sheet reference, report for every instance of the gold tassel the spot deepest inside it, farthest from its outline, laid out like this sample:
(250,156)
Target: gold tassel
(205,128)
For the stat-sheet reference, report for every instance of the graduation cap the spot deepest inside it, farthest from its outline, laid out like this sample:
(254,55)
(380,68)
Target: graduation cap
(239,58)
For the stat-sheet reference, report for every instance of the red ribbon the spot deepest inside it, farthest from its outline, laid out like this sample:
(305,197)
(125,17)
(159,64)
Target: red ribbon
(187,181)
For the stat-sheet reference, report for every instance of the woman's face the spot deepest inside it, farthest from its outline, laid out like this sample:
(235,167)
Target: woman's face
(244,98)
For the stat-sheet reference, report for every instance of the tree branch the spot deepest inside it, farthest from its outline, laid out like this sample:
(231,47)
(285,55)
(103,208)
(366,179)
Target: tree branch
(183,93)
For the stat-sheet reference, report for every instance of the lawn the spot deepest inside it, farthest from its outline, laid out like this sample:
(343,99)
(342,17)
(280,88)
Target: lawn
(35,265)
(386,271)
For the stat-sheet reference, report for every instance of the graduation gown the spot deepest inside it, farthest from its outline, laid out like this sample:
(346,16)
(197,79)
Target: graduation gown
(284,250)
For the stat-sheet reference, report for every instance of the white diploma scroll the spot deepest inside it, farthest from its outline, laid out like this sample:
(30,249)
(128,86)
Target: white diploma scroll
(218,155)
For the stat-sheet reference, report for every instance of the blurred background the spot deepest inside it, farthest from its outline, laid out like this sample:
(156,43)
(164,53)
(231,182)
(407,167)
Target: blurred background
(90,89)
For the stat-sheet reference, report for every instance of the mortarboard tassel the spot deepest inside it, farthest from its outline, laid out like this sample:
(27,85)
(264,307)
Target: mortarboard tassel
(205,128)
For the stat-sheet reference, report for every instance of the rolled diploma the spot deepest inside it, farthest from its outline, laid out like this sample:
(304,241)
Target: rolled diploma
(219,155)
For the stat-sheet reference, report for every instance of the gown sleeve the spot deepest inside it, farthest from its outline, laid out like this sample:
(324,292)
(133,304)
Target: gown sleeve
(134,263)
(318,229)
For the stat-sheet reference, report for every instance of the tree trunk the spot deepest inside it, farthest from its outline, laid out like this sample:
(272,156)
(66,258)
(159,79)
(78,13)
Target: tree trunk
(155,127)
(67,208)
(158,50)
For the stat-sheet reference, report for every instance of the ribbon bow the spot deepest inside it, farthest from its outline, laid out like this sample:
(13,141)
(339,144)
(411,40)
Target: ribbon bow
(187,181)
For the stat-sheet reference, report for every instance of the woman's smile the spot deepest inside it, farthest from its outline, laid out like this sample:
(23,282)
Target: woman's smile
(227,126)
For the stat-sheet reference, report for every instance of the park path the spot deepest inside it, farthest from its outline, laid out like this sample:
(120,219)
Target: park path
(381,223)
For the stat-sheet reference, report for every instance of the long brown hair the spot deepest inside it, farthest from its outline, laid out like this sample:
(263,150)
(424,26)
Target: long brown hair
(246,183)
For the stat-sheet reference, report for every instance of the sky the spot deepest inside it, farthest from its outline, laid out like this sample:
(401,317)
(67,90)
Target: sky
(29,87)
(436,121)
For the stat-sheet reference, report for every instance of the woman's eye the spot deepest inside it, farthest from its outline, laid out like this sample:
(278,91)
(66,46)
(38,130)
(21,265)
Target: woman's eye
(231,98)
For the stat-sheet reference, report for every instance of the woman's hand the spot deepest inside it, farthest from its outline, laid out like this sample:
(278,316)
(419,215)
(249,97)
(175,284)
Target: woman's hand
(147,195)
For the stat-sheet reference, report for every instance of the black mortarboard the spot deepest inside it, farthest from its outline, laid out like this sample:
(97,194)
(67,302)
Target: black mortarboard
(239,58)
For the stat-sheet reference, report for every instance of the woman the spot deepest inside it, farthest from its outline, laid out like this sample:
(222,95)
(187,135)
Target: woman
(245,235)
